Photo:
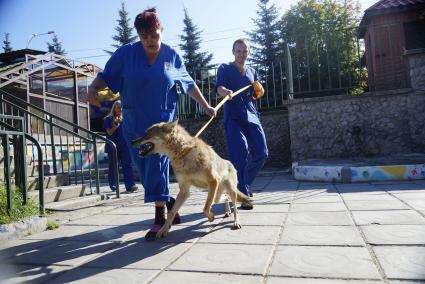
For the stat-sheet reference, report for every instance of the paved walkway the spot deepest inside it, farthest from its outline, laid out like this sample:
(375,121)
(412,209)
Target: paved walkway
(298,232)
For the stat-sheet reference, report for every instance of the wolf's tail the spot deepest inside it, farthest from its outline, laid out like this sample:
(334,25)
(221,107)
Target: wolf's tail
(242,197)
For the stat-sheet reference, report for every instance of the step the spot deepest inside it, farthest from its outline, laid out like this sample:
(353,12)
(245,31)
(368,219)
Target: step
(74,203)
(49,182)
(60,193)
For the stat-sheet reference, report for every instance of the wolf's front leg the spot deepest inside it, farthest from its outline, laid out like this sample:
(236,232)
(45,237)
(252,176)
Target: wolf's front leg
(180,199)
(212,191)
(234,197)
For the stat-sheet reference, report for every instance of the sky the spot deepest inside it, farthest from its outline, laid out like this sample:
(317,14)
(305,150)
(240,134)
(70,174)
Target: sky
(85,27)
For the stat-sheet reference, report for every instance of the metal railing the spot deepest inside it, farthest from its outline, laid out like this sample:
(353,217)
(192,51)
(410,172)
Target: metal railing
(311,66)
(19,138)
(68,148)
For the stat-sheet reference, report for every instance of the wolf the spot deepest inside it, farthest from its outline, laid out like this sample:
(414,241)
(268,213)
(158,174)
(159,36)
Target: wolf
(195,164)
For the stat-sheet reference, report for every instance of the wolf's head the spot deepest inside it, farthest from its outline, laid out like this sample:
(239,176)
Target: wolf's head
(154,139)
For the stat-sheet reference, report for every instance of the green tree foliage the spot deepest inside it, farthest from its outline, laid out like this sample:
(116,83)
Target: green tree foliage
(55,46)
(323,45)
(124,30)
(6,43)
(265,37)
(195,60)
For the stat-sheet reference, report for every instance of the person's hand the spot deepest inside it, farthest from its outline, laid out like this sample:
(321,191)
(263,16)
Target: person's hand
(210,111)
(227,93)
(258,90)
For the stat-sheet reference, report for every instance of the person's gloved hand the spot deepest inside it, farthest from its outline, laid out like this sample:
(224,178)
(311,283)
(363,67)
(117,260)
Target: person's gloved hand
(258,90)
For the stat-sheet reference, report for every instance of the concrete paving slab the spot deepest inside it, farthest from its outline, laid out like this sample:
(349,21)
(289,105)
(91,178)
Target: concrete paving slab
(405,282)
(61,252)
(315,199)
(388,217)
(399,187)
(116,220)
(375,204)
(103,233)
(64,231)
(319,218)
(356,187)
(131,210)
(260,219)
(321,235)
(188,234)
(394,234)
(270,207)
(16,248)
(401,262)
(416,204)
(368,196)
(329,262)
(168,277)
(273,197)
(231,258)
(96,275)
(10,274)
(407,196)
(281,185)
(262,235)
(279,280)
(320,206)
(140,254)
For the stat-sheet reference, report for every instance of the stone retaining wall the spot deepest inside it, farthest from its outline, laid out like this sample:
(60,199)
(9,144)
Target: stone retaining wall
(358,125)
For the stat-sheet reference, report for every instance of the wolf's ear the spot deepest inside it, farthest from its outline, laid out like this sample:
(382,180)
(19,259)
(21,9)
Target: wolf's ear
(170,126)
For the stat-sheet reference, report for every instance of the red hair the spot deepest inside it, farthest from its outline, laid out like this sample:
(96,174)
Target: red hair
(147,21)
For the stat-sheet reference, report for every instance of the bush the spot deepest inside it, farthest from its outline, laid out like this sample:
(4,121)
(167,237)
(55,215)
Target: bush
(18,211)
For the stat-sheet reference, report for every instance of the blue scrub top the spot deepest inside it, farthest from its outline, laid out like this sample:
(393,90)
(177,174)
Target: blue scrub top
(117,137)
(148,92)
(242,107)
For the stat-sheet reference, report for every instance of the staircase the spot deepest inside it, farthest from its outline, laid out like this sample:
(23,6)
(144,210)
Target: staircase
(71,154)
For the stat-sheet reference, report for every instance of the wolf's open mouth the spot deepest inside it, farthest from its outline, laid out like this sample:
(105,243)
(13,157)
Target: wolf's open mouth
(145,149)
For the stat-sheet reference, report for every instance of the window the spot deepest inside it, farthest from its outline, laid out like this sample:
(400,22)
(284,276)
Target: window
(414,34)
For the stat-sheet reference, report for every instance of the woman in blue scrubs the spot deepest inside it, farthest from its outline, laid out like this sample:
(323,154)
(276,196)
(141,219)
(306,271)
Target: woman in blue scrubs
(246,142)
(112,125)
(146,74)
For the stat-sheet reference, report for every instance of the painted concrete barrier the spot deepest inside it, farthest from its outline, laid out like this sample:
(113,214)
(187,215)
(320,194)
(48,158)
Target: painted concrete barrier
(349,174)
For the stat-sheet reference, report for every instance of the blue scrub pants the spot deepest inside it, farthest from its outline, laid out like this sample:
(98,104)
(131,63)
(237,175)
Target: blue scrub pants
(247,150)
(125,160)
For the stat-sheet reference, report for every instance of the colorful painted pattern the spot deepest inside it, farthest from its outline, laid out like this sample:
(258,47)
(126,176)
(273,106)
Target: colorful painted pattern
(317,173)
(359,174)
(393,172)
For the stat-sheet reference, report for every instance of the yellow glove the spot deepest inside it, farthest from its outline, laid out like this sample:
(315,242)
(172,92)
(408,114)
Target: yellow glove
(258,90)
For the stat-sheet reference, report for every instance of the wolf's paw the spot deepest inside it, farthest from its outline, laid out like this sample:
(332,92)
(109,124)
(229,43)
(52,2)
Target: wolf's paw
(162,233)
(237,226)
(227,214)
(211,217)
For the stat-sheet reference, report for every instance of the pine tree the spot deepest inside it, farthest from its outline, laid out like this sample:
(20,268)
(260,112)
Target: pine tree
(191,45)
(124,30)
(264,38)
(55,46)
(6,42)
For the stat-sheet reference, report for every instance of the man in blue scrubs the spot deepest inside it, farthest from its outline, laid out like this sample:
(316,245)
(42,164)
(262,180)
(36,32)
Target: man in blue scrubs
(146,73)
(246,142)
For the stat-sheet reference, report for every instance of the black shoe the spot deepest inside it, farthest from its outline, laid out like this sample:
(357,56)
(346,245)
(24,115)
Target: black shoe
(247,206)
(132,189)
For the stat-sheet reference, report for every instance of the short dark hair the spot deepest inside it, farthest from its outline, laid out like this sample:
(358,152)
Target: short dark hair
(147,21)
(242,41)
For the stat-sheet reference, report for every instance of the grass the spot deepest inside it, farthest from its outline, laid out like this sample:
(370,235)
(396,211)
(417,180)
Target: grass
(18,211)
(52,225)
